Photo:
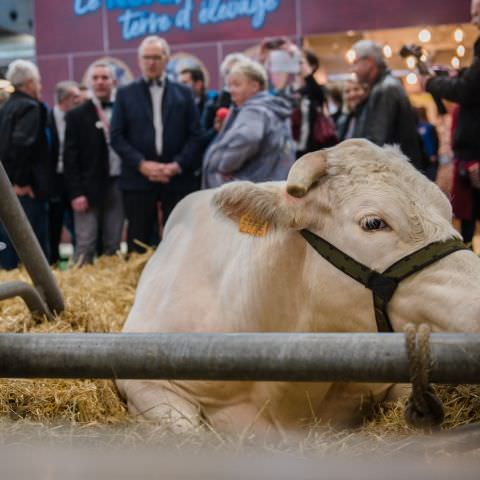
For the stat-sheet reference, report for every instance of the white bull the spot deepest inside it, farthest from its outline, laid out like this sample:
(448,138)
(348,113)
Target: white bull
(207,276)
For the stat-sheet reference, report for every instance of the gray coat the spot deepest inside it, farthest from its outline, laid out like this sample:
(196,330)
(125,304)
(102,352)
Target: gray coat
(258,146)
(389,118)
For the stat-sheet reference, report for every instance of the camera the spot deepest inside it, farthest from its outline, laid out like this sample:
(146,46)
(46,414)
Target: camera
(415,51)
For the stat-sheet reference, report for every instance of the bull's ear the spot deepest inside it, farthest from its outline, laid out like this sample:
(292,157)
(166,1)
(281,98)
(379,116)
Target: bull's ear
(277,203)
(267,203)
(261,201)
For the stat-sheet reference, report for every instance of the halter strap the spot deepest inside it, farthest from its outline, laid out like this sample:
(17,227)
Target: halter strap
(383,285)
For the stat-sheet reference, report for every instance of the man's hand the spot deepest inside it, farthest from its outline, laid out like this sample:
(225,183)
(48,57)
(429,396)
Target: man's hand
(80,204)
(25,191)
(154,171)
(159,172)
(172,169)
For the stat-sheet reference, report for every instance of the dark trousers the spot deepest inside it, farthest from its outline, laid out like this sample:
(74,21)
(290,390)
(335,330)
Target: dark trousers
(59,214)
(142,214)
(467,228)
(37,215)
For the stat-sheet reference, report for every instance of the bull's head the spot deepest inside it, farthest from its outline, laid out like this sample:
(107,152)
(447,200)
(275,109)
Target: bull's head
(373,205)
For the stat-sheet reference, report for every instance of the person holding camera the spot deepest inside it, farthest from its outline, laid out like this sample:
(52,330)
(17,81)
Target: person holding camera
(312,127)
(464,89)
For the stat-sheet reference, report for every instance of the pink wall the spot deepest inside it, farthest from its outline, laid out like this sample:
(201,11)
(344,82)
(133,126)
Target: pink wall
(67,43)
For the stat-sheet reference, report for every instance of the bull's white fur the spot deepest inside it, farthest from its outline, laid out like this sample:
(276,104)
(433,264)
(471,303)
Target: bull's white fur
(206,276)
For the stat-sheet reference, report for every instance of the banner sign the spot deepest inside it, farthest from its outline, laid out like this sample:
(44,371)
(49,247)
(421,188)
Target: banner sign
(137,18)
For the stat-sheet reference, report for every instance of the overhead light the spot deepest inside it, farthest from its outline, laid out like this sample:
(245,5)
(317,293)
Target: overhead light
(460,51)
(411,62)
(387,50)
(350,56)
(455,61)
(350,33)
(412,78)
(458,35)
(423,57)
(424,35)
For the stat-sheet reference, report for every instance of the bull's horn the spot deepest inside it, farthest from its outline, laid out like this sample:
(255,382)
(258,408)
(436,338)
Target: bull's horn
(305,171)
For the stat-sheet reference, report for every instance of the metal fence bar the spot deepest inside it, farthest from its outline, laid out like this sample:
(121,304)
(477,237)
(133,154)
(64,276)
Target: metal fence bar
(29,295)
(26,245)
(360,357)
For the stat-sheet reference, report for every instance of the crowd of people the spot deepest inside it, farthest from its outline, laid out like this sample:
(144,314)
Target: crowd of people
(115,157)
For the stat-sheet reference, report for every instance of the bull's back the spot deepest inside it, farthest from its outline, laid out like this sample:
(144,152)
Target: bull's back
(179,287)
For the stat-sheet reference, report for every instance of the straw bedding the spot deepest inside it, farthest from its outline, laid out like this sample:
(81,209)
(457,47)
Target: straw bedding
(98,299)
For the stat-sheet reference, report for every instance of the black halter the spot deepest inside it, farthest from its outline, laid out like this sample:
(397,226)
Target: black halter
(383,285)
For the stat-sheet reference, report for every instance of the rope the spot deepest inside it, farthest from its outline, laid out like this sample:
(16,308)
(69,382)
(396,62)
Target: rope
(423,408)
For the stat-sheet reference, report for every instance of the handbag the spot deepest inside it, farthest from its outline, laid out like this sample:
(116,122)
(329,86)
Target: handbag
(324,133)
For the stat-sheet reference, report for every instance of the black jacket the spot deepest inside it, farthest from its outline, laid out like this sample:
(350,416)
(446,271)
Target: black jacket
(85,155)
(133,135)
(345,119)
(464,90)
(389,118)
(24,145)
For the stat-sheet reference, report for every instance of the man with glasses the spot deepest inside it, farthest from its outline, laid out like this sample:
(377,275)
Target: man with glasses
(157,134)
(389,117)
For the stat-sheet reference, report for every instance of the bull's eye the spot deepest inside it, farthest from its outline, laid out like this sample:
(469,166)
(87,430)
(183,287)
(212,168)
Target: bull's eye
(372,223)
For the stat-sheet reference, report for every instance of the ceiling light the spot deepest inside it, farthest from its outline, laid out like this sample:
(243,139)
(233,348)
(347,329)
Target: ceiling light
(460,51)
(411,79)
(387,50)
(455,61)
(350,56)
(458,35)
(411,62)
(424,35)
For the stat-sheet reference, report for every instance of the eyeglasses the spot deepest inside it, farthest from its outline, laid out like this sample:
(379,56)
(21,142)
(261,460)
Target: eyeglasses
(153,58)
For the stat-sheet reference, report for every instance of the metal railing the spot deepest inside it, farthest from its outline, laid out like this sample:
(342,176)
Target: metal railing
(320,357)
(45,296)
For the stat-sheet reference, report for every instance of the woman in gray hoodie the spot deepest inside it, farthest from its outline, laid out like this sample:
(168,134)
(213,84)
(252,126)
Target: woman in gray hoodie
(255,142)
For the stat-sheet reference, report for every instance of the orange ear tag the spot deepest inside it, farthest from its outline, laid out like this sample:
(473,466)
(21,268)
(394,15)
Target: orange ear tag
(252,226)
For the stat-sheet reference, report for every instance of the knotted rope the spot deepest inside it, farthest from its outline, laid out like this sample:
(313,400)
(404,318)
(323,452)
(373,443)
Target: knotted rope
(423,408)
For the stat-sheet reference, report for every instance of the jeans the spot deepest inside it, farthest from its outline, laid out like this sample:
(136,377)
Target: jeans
(37,214)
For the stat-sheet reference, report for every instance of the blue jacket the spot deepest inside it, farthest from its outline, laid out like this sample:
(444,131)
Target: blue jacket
(133,135)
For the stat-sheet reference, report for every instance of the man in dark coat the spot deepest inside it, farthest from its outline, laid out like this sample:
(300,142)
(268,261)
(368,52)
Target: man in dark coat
(464,89)
(92,169)
(157,134)
(388,117)
(24,152)
(206,103)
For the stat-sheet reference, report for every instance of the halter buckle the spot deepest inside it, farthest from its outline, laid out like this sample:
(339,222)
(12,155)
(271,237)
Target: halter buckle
(381,285)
